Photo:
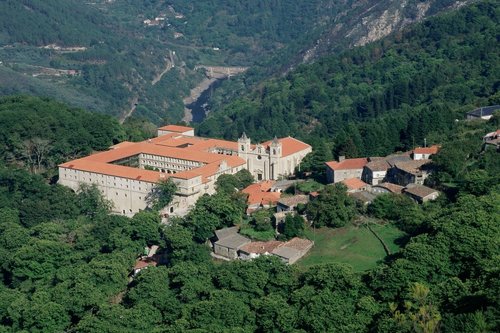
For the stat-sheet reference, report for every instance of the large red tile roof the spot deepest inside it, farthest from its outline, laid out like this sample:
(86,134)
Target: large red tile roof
(173,145)
(166,146)
(289,145)
(176,128)
(348,164)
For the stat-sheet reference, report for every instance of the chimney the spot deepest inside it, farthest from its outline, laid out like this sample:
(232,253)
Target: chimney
(341,158)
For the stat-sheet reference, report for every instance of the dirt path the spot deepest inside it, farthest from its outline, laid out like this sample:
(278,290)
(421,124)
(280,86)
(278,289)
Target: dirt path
(165,71)
(133,105)
(170,65)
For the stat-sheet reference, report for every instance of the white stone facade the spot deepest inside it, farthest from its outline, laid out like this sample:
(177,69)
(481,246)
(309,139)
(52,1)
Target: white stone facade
(271,160)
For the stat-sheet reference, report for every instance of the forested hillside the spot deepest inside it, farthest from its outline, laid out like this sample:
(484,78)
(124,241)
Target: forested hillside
(385,96)
(139,57)
(66,260)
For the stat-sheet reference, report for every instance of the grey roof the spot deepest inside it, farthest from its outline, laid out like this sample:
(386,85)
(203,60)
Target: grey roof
(484,111)
(363,196)
(287,252)
(294,200)
(284,184)
(413,167)
(393,159)
(377,165)
(390,187)
(233,241)
(420,191)
(226,232)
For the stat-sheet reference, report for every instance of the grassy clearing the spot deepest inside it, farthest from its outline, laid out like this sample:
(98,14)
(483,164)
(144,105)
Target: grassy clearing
(353,245)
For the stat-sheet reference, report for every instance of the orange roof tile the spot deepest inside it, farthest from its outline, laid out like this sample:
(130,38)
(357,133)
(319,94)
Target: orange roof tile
(122,144)
(427,150)
(354,183)
(300,244)
(261,247)
(115,170)
(348,164)
(289,145)
(259,187)
(258,193)
(172,145)
(176,128)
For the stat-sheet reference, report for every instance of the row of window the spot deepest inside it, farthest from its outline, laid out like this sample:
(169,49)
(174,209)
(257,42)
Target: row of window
(170,159)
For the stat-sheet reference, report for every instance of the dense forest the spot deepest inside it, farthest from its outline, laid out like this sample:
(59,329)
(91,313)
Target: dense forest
(385,96)
(67,261)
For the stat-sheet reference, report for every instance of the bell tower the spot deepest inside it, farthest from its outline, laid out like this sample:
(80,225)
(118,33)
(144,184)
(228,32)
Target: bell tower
(243,145)
(275,148)
(275,153)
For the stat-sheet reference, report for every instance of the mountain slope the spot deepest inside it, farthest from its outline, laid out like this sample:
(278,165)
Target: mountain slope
(108,56)
(372,98)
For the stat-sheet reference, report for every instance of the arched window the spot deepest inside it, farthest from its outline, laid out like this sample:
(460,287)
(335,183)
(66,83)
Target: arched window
(242,148)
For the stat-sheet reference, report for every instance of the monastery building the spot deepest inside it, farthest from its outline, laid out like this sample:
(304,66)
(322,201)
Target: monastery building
(128,171)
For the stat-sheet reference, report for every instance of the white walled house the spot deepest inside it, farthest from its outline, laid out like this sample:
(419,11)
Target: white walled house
(345,169)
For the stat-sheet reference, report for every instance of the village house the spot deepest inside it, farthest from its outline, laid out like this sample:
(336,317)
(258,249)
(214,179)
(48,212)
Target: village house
(344,169)
(485,112)
(260,196)
(375,170)
(229,242)
(127,173)
(421,193)
(387,188)
(355,185)
(424,153)
(289,204)
(492,140)
(293,250)
(149,259)
(364,197)
(256,249)
(409,172)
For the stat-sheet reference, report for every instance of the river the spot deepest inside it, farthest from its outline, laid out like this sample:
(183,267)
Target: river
(199,108)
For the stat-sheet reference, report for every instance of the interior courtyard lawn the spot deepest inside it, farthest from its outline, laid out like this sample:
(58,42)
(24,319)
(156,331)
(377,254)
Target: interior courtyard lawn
(353,245)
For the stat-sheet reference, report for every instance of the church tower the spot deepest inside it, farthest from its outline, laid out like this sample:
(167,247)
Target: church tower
(275,153)
(275,148)
(243,145)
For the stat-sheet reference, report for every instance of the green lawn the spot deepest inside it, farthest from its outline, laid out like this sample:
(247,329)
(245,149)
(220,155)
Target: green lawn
(353,245)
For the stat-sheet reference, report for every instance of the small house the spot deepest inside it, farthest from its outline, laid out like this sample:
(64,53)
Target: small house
(409,172)
(229,242)
(364,197)
(259,196)
(337,171)
(355,185)
(293,250)
(256,249)
(485,112)
(288,204)
(421,193)
(387,188)
(424,153)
